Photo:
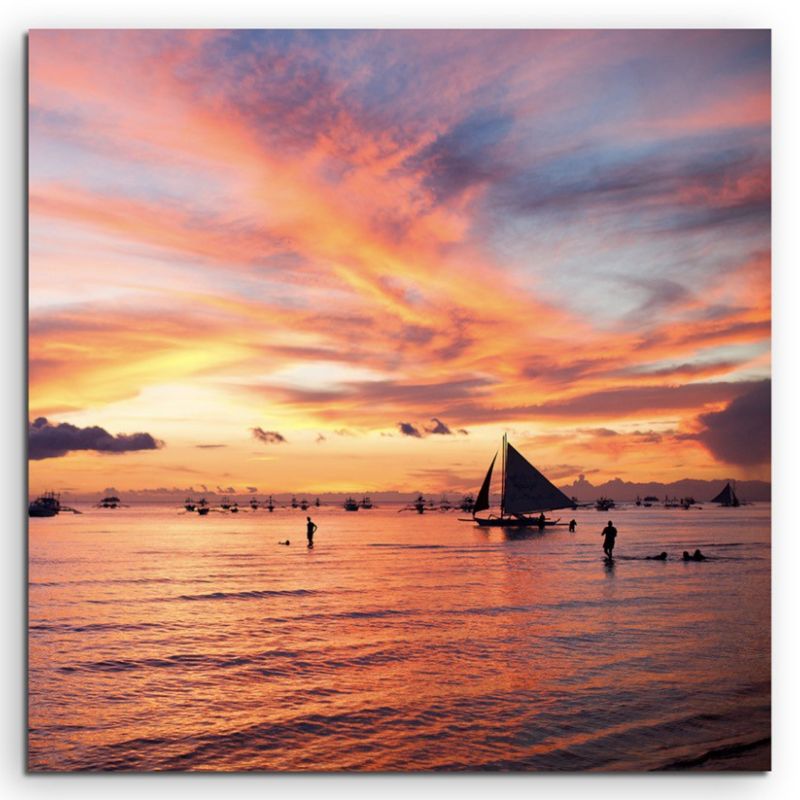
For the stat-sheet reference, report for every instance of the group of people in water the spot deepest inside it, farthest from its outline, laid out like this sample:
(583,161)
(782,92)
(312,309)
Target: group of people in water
(609,535)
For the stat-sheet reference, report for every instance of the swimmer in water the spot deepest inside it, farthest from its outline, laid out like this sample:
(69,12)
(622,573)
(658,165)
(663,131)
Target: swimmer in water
(660,557)
(696,556)
(286,542)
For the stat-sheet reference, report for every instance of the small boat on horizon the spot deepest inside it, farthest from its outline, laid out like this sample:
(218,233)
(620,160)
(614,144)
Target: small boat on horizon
(604,504)
(304,505)
(189,504)
(112,501)
(225,503)
(270,505)
(46,505)
(727,497)
(524,491)
(202,507)
(467,503)
(366,502)
(350,504)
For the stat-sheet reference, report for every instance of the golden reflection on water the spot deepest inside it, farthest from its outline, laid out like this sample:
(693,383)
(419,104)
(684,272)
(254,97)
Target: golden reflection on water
(168,641)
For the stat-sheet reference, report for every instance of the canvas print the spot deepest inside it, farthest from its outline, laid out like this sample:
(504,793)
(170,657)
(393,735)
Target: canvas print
(399,400)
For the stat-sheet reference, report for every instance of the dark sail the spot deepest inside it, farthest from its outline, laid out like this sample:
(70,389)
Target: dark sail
(727,497)
(527,490)
(482,502)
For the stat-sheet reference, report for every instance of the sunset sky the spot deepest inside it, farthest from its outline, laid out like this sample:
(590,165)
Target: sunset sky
(344,261)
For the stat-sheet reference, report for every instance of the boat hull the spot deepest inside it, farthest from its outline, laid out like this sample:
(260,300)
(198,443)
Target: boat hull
(513,522)
(41,512)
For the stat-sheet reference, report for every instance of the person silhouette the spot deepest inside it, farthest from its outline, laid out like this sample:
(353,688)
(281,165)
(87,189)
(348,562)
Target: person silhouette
(698,556)
(610,535)
(572,526)
(540,522)
(310,529)
(662,556)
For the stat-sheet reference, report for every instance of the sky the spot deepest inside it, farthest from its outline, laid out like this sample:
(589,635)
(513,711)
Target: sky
(314,261)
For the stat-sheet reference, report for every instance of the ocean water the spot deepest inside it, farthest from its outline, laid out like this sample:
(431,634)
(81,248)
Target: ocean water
(168,641)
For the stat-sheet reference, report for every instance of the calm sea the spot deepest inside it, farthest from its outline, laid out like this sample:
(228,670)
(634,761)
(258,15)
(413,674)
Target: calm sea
(168,641)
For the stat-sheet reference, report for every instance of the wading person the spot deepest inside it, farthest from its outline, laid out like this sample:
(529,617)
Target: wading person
(610,534)
(572,526)
(310,529)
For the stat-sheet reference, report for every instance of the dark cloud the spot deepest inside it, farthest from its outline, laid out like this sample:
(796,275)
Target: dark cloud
(252,489)
(407,429)
(268,437)
(671,189)
(51,440)
(439,428)
(740,434)
(464,155)
(613,402)
(210,446)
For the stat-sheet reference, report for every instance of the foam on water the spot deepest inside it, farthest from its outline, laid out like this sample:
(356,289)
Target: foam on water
(163,641)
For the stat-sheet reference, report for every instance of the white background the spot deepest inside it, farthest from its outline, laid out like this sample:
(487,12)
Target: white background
(15,20)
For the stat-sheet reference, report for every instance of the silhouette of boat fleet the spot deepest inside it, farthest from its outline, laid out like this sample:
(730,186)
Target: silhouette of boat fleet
(525,495)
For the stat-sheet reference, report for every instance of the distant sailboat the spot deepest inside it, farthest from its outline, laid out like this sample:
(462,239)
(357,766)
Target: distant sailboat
(727,497)
(524,491)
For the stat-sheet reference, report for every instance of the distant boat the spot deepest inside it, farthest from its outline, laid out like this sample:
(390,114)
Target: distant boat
(687,502)
(304,504)
(524,491)
(189,504)
(366,502)
(419,505)
(727,497)
(604,504)
(445,504)
(350,504)
(294,502)
(225,503)
(254,503)
(47,505)
(112,501)
(202,507)
(671,502)
(638,500)
(270,504)
(317,503)
(234,507)
(467,503)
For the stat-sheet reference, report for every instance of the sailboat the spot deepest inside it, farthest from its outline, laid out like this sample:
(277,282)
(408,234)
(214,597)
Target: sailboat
(525,491)
(727,497)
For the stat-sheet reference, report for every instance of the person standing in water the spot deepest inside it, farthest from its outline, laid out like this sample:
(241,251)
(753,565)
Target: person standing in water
(310,529)
(610,534)
(572,526)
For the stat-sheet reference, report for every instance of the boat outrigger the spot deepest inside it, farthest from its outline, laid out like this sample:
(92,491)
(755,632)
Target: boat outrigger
(525,491)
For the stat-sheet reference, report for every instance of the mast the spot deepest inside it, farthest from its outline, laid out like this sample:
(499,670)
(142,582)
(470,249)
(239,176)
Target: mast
(503,484)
